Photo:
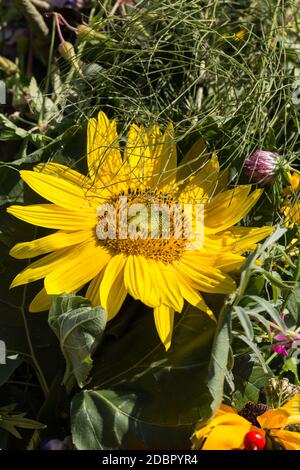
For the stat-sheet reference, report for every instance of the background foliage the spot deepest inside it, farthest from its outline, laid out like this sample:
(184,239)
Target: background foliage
(223,71)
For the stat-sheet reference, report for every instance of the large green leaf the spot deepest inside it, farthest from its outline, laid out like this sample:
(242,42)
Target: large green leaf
(143,397)
(79,328)
(218,364)
(250,379)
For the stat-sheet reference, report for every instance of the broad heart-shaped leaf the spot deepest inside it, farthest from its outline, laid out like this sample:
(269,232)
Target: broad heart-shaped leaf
(143,397)
(79,328)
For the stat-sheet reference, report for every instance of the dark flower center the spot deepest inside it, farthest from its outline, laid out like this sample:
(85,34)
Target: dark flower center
(251,411)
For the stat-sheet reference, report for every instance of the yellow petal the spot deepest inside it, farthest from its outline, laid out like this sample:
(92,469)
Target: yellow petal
(293,408)
(166,280)
(193,297)
(165,168)
(294,181)
(81,265)
(225,431)
(227,262)
(223,181)
(288,439)
(203,184)
(112,288)
(93,290)
(236,240)
(273,418)
(227,437)
(138,156)
(57,169)
(42,267)
(225,409)
(233,205)
(103,153)
(57,190)
(40,303)
(164,320)
(292,213)
(54,217)
(139,282)
(49,243)
(194,159)
(206,280)
(246,237)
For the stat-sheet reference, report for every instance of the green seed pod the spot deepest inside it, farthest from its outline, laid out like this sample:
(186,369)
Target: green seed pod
(86,33)
(67,51)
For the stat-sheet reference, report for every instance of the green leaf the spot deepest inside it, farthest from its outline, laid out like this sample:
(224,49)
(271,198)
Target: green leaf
(10,131)
(39,102)
(249,379)
(275,279)
(293,306)
(256,351)
(290,366)
(218,363)
(245,321)
(79,328)
(267,244)
(144,397)
(10,420)
(270,309)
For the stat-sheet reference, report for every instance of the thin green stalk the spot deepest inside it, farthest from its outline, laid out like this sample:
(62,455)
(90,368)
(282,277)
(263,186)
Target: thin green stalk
(47,85)
(38,370)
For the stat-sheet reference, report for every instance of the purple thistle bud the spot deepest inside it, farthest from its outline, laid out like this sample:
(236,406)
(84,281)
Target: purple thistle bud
(261,166)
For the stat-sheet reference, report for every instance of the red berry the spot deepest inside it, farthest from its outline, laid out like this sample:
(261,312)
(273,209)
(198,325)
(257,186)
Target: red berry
(254,441)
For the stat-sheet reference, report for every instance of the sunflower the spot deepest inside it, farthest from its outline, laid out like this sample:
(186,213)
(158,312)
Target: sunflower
(161,272)
(229,431)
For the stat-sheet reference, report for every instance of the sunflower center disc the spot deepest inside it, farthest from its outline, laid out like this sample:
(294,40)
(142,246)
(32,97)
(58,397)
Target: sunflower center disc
(147,223)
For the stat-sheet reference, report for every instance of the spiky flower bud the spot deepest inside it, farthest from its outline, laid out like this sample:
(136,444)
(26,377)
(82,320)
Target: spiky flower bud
(262,166)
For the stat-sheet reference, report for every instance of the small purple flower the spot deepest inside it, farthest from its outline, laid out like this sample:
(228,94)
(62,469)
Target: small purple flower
(288,337)
(52,444)
(57,444)
(261,166)
(63,3)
